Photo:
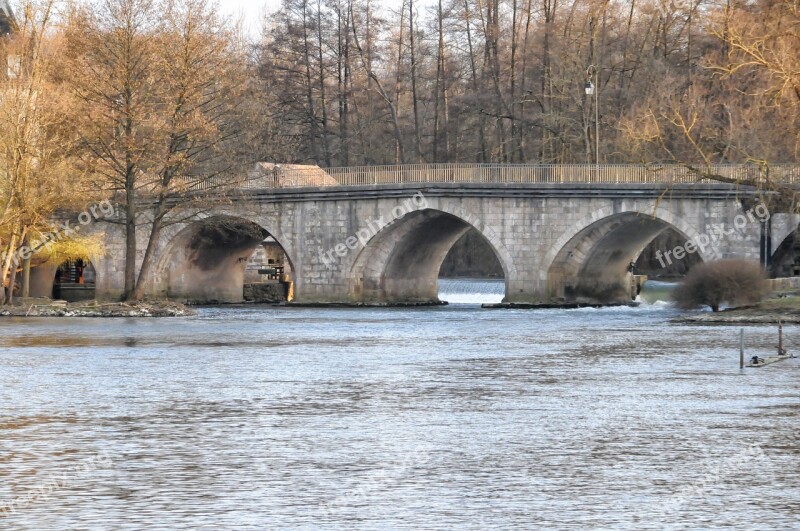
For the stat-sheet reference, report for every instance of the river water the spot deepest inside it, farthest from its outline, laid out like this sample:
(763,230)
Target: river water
(428,418)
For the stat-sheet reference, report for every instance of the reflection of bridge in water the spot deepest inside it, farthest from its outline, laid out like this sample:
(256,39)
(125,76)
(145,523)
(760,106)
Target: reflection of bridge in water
(380,234)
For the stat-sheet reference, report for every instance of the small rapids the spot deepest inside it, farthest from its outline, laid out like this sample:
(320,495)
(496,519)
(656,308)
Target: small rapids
(656,293)
(471,291)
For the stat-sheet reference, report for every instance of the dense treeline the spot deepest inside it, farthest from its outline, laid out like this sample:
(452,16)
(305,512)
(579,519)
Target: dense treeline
(129,99)
(359,82)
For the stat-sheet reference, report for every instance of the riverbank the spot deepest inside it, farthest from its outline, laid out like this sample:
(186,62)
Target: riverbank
(784,309)
(46,308)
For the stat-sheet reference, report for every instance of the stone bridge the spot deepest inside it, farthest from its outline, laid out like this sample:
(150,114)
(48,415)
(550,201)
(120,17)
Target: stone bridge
(385,243)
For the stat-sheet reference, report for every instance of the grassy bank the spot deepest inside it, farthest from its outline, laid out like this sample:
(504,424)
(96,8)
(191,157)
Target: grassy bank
(785,309)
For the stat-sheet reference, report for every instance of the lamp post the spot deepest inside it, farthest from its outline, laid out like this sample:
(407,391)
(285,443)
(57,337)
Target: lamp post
(592,88)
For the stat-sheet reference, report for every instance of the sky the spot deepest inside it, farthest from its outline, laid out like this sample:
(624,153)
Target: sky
(251,10)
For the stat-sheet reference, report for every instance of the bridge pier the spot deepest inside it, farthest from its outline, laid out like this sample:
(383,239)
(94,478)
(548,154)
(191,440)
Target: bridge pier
(401,264)
(385,244)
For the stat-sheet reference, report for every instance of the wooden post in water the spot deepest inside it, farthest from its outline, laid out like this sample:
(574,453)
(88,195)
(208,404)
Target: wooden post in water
(780,338)
(741,348)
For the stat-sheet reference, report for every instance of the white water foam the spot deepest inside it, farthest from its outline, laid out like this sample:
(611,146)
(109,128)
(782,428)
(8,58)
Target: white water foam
(471,291)
(655,295)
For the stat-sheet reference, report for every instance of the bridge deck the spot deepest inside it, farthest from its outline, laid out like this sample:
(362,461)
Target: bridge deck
(297,176)
(486,190)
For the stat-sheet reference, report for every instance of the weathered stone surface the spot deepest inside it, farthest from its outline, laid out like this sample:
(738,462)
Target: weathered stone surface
(42,280)
(386,243)
(265,292)
(785,284)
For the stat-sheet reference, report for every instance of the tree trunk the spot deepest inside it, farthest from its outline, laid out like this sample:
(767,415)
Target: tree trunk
(546,151)
(12,279)
(621,94)
(130,237)
(312,117)
(344,81)
(415,101)
(149,253)
(476,90)
(26,278)
(493,62)
(437,93)
(398,143)
(372,75)
(515,142)
(9,259)
(322,93)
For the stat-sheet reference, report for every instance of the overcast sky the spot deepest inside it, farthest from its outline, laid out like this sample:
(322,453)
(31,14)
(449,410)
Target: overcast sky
(251,10)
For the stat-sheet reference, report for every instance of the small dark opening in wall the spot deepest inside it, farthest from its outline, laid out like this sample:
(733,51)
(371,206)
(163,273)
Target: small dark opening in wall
(75,281)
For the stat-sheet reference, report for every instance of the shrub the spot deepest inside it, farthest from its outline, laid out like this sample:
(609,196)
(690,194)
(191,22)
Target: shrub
(732,282)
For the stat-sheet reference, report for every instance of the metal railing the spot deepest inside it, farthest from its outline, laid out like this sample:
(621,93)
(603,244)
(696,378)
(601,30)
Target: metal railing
(557,173)
(500,173)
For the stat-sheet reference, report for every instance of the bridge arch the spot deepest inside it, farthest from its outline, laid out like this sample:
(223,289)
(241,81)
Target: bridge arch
(590,261)
(401,262)
(784,260)
(205,260)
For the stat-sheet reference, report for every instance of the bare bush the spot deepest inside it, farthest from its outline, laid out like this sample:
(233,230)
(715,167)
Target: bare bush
(732,282)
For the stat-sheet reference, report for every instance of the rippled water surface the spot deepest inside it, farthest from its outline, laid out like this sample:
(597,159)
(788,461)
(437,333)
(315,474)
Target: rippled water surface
(434,418)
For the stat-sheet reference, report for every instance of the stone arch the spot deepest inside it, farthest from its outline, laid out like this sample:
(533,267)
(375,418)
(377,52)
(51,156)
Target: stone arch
(786,257)
(43,278)
(487,232)
(589,263)
(401,262)
(204,261)
(47,281)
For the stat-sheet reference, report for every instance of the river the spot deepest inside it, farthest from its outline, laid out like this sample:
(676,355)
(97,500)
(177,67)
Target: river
(434,418)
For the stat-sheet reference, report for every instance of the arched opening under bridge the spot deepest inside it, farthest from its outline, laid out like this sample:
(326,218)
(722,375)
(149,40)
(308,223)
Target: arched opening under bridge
(599,263)
(402,262)
(208,261)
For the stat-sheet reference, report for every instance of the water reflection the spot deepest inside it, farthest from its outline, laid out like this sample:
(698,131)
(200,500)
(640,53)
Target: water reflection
(46,341)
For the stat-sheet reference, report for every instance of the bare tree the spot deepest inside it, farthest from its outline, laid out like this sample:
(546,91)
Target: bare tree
(732,282)
(501,80)
(161,94)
